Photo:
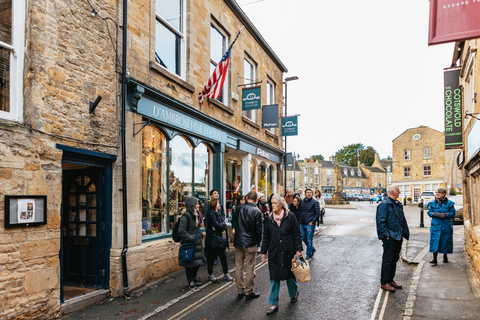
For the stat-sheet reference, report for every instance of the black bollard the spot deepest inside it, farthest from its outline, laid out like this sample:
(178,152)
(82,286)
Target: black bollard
(421,213)
(321,216)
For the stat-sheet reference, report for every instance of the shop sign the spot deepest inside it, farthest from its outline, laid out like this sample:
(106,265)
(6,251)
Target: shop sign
(263,153)
(179,120)
(290,126)
(251,98)
(270,116)
(453,21)
(453,109)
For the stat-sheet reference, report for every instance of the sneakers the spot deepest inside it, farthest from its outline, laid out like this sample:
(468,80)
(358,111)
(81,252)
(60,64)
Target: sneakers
(272,309)
(252,296)
(192,285)
(212,278)
(308,258)
(313,252)
(227,277)
(197,281)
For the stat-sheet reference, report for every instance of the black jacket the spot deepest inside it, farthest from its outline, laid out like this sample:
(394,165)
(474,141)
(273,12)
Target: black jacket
(295,211)
(281,243)
(214,220)
(248,226)
(187,231)
(310,211)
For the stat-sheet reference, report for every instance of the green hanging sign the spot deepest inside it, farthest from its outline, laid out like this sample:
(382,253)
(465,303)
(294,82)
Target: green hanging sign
(290,126)
(251,98)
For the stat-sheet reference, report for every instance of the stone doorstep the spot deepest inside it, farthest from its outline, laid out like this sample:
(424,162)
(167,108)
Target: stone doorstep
(83,301)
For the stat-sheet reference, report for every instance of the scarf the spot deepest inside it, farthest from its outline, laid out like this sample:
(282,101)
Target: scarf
(278,217)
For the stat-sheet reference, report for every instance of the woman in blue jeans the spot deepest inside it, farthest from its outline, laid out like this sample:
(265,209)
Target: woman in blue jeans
(281,240)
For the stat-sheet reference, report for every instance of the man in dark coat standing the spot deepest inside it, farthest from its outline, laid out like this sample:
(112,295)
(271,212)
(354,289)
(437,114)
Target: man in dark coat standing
(309,214)
(391,227)
(248,232)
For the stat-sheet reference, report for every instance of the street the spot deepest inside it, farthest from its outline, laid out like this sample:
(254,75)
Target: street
(345,281)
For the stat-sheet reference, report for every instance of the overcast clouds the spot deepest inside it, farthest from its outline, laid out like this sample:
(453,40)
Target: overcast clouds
(366,73)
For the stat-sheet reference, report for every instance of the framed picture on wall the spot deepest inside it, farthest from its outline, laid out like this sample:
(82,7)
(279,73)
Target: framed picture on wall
(25,211)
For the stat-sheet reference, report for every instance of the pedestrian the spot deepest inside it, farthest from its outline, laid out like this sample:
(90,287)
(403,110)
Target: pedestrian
(248,232)
(215,195)
(187,230)
(379,198)
(215,243)
(309,213)
(282,240)
(262,205)
(294,208)
(391,227)
(371,198)
(289,196)
(300,193)
(441,210)
(236,208)
(321,201)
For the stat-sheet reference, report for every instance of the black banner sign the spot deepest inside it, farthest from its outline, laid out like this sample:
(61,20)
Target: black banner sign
(453,109)
(270,116)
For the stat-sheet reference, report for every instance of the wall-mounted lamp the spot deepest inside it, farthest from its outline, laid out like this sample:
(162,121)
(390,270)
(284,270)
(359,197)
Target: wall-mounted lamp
(94,104)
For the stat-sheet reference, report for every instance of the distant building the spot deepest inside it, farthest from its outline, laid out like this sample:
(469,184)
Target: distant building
(327,182)
(376,178)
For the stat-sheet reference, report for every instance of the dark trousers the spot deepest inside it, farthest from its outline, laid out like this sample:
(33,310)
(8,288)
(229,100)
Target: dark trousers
(391,254)
(191,273)
(212,254)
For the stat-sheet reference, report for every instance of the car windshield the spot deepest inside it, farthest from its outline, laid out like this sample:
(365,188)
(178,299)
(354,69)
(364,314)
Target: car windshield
(427,194)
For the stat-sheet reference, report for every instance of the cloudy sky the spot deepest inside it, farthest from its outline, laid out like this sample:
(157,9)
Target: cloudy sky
(366,73)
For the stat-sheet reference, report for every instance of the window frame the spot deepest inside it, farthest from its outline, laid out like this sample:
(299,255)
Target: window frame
(429,153)
(270,98)
(182,54)
(17,54)
(225,89)
(429,169)
(407,155)
(405,169)
(250,114)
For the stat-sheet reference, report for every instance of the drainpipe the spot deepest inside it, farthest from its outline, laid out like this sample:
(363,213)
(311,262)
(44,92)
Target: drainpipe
(126,288)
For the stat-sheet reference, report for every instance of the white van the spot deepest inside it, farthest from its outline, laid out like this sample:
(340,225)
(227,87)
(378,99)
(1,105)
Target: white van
(427,196)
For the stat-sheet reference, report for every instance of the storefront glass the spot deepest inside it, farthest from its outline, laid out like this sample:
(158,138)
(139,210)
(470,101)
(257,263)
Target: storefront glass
(253,180)
(271,181)
(202,172)
(262,178)
(154,197)
(233,180)
(180,176)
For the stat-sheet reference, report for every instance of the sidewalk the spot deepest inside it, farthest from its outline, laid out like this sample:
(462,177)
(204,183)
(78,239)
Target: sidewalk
(446,291)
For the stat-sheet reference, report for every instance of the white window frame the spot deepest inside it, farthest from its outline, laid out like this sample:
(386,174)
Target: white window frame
(183,41)
(17,54)
(329,182)
(427,175)
(270,99)
(407,155)
(409,172)
(225,88)
(329,172)
(425,155)
(250,114)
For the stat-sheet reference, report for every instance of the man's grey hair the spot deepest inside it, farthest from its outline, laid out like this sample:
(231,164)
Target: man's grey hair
(392,188)
(281,201)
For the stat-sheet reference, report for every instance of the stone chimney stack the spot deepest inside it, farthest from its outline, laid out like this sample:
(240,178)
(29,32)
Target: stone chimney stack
(310,160)
(330,158)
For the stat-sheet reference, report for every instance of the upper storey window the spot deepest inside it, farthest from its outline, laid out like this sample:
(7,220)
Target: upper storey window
(249,72)
(170,35)
(218,46)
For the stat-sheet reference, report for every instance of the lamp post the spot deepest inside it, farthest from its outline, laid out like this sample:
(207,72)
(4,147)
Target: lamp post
(285,115)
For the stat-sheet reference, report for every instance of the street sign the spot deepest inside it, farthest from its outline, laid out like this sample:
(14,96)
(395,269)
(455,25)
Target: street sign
(251,98)
(290,126)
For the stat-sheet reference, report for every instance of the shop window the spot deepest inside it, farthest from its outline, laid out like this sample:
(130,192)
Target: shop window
(262,178)
(427,170)
(180,176)
(12,33)
(233,181)
(170,35)
(426,153)
(271,180)
(218,46)
(202,173)
(249,69)
(406,172)
(253,181)
(154,183)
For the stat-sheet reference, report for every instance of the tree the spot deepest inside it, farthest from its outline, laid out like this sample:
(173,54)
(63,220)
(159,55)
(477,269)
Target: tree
(367,156)
(349,154)
(318,157)
(388,158)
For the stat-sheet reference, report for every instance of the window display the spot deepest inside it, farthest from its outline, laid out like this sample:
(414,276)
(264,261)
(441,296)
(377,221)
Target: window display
(202,173)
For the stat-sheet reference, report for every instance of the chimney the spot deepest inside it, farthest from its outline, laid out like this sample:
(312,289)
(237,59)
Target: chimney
(310,160)
(330,158)
(376,157)
(305,160)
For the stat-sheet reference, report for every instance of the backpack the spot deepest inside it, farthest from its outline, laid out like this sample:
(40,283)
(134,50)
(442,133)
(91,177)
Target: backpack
(175,236)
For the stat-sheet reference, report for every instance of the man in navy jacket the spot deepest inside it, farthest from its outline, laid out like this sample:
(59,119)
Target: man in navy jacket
(391,227)
(309,213)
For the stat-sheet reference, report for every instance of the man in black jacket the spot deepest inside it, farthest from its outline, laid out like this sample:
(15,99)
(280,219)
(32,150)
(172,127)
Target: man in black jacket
(309,214)
(248,232)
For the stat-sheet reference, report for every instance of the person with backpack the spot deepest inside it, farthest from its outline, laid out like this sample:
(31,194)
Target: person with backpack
(215,243)
(189,232)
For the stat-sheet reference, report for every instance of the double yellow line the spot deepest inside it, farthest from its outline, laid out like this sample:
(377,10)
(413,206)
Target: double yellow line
(377,303)
(209,296)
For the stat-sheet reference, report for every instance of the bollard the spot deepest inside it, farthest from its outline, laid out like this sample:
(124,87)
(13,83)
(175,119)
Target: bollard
(421,213)
(321,216)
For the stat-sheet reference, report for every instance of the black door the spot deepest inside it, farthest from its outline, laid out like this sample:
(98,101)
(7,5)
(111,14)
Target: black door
(83,226)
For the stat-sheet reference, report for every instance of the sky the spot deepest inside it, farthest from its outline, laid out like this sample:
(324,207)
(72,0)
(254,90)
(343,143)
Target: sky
(366,72)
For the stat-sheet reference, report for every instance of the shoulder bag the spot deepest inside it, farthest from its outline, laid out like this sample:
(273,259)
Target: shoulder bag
(188,249)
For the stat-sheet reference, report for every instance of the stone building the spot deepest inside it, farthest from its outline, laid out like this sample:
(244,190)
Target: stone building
(465,56)
(418,161)
(385,165)
(327,176)
(294,177)
(68,220)
(310,174)
(376,178)
(354,179)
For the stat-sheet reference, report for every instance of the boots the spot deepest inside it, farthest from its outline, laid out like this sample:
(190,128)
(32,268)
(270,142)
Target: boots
(445,259)
(434,261)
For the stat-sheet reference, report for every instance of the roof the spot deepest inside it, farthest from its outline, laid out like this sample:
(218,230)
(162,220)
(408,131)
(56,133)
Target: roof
(386,163)
(414,129)
(327,164)
(355,173)
(232,4)
(374,169)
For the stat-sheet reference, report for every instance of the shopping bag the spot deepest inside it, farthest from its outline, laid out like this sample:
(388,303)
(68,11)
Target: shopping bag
(301,270)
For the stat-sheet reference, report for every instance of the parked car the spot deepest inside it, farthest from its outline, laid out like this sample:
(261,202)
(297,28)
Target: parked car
(458,219)
(354,197)
(365,197)
(427,196)
(327,196)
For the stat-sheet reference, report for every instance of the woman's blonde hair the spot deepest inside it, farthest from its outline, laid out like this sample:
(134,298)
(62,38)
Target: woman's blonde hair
(281,201)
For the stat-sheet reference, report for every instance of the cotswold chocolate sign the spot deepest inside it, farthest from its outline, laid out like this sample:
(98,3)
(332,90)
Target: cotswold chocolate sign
(453,109)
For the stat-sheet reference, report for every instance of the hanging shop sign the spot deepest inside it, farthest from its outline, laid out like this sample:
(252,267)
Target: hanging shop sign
(290,126)
(178,120)
(452,21)
(251,98)
(270,116)
(453,109)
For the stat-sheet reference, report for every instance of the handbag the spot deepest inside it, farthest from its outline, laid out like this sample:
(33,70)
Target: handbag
(218,242)
(301,271)
(188,249)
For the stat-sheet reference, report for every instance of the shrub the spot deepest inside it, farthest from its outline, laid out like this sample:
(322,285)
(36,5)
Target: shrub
(452,192)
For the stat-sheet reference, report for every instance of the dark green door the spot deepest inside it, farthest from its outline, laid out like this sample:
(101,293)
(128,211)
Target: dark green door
(83,227)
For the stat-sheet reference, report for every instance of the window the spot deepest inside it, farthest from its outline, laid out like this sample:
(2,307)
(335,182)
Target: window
(329,182)
(426,153)
(316,170)
(306,170)
(375,174)
(270,98)
(427,170)
(170,36)
(202,172)
(262,179)
(12,42)
(376,184)
(316,180)
(347,183)
(389,169)
(406,155)
(406,172)
(271,182)
(249,75)
(329,172)
(381,175)
(306,180)
(218,46)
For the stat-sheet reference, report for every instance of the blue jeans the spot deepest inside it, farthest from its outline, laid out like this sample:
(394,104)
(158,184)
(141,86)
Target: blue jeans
(292,286)
(307,237)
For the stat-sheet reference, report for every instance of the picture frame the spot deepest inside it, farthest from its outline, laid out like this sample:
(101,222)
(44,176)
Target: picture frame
(25,211)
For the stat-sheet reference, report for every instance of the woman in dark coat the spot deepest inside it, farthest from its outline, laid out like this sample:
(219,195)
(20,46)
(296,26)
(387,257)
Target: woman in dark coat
(441,210)
(215,227)
(282,240)
(187,229)
(295,208)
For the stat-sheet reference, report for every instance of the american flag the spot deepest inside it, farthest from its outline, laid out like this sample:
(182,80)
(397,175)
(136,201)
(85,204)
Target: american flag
(213,89)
